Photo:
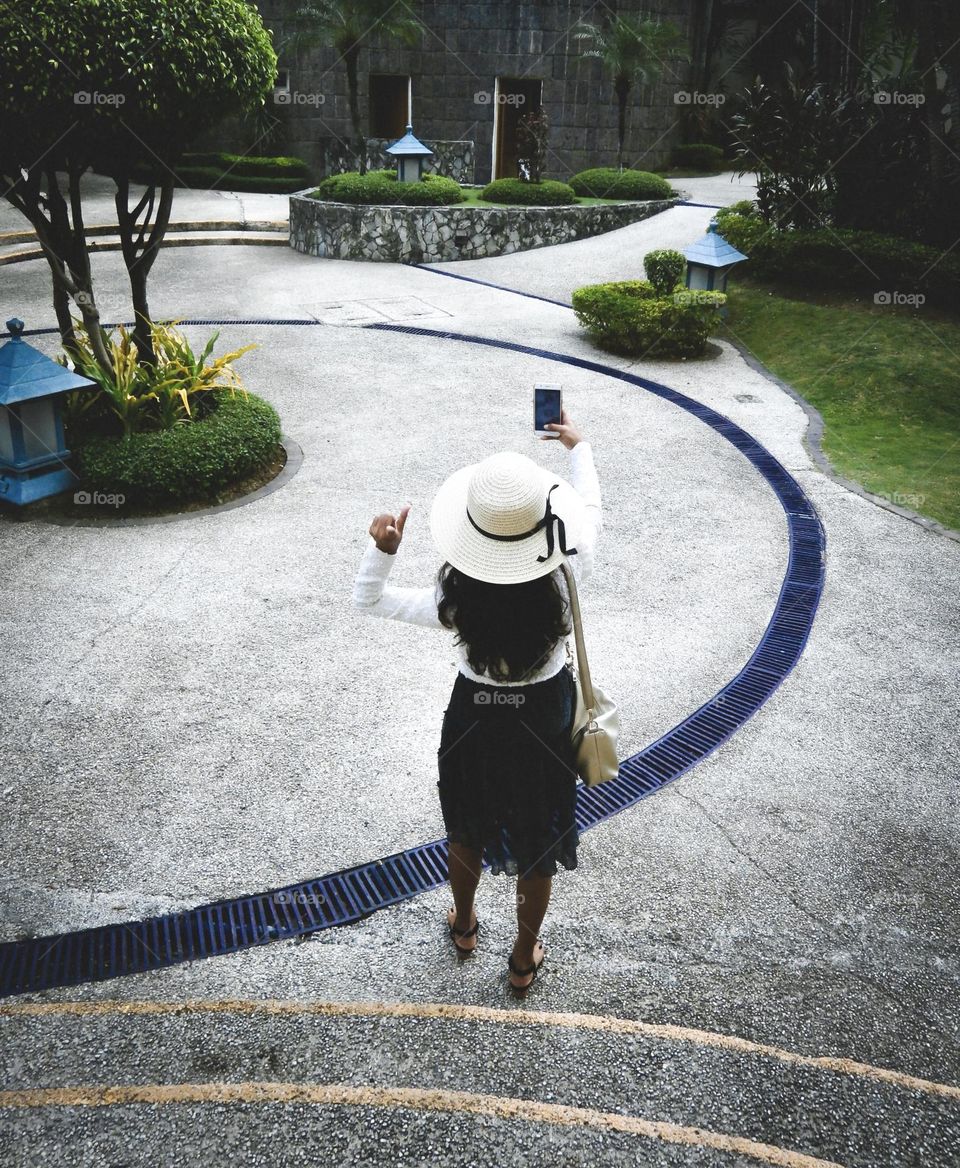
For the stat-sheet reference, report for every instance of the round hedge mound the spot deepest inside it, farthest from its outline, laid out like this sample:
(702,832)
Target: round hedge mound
(379,187)
(196,460)
(610,183)
(516,192)
(628,317)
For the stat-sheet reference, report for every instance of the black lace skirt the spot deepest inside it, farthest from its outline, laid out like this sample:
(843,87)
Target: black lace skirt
(508,780)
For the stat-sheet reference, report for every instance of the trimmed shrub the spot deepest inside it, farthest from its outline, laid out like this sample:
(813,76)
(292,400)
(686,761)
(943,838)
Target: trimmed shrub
(841,258)
(628,318)
(698,156)
(237,436)
(215,170)
(664,269)
(517,192)
(606,182)
(381,187)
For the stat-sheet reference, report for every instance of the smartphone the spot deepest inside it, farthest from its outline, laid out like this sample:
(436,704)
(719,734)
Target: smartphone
(547,407)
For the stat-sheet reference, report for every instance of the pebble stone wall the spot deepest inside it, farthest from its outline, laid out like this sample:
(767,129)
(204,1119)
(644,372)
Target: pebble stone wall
(415,235)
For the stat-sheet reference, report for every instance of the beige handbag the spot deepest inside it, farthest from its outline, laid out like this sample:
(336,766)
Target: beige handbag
(596,723)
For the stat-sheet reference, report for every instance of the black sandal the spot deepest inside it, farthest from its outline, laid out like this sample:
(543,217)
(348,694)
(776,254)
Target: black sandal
(534,969)
(454,933)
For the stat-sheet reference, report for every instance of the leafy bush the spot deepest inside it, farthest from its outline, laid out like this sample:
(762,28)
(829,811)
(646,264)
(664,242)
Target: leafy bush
(609,183)
(381,186)
(698,156)
(855,260)
(234,172)
(517,192)
(628,317)
(236,438)
(132,397)
(664,269)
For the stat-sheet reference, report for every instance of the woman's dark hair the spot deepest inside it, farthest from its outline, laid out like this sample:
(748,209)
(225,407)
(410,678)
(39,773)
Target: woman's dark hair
(508,629)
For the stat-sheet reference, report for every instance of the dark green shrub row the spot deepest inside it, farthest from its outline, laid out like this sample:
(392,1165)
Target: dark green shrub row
(235,172)
(610,183)
(206,178)
(698,156)
(840,257)
(516,192)
(254,165)
(196,460)
(628,317)
(381,186)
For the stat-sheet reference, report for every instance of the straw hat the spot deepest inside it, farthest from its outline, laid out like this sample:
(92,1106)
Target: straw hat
(506,520)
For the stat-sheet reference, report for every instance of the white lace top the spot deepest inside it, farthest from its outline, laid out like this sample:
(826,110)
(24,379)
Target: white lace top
(372,594)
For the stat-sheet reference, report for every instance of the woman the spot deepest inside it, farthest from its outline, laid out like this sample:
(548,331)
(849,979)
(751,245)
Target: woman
(507,777)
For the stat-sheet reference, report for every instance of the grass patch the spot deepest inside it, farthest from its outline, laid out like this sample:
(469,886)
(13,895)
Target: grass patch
(885,379)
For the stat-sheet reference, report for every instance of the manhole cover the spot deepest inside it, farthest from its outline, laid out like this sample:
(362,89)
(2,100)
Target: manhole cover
(361,312)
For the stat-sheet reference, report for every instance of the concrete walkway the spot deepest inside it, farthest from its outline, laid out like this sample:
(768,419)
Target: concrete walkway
(194,711)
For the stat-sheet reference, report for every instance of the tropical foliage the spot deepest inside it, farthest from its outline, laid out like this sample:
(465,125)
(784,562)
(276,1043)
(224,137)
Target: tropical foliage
(133,397)
(634,51)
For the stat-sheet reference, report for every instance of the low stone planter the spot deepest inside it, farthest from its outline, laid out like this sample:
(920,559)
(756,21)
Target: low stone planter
(415,235)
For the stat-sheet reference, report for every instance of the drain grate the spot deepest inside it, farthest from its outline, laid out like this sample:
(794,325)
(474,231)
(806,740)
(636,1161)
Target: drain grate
(341,898)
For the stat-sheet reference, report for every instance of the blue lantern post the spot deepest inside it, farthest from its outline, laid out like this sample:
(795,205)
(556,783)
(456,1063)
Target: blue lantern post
(410,154)
(33,451)
(709,261)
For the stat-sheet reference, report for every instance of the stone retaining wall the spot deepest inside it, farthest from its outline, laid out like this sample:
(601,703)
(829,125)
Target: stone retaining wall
(415,235)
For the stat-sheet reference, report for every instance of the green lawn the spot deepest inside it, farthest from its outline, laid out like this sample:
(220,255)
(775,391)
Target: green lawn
(886,380)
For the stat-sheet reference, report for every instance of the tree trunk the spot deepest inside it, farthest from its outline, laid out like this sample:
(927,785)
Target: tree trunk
(140,243)
(350,59)
(622,89)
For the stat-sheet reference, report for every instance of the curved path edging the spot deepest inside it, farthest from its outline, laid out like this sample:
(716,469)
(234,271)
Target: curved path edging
(350,895)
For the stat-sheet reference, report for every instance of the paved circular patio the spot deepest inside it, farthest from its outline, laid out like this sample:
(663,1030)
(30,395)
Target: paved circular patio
(195,710)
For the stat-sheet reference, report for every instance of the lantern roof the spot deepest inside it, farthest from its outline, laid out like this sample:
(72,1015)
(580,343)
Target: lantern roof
(713,251)
(409,147)
(25,373)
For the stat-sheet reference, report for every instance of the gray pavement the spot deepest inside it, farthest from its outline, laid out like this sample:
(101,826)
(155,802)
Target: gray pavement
(194,711)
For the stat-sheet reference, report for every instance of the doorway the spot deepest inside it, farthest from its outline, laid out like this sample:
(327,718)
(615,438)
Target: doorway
(514,97)
(390,95)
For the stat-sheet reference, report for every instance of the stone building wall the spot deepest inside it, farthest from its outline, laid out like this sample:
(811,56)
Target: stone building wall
(464,47)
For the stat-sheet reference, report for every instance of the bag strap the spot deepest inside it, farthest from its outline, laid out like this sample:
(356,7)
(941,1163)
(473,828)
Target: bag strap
(586,685)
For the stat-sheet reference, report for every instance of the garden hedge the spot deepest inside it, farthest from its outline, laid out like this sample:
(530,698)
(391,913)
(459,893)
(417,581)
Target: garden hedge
(698,156)
(840,257)
(610,183)
(237,172)
(235,438)
(627,317)
(518,192)
(381,187)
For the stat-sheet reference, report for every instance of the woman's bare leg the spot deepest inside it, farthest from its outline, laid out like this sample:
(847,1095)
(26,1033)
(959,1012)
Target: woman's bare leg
(533,896)
(465,866)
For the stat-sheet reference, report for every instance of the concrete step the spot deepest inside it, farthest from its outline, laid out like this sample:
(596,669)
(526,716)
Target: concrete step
(253,1082)
(195,236)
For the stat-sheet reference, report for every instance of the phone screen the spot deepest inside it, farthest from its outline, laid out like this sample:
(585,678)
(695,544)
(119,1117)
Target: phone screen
(546,405)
